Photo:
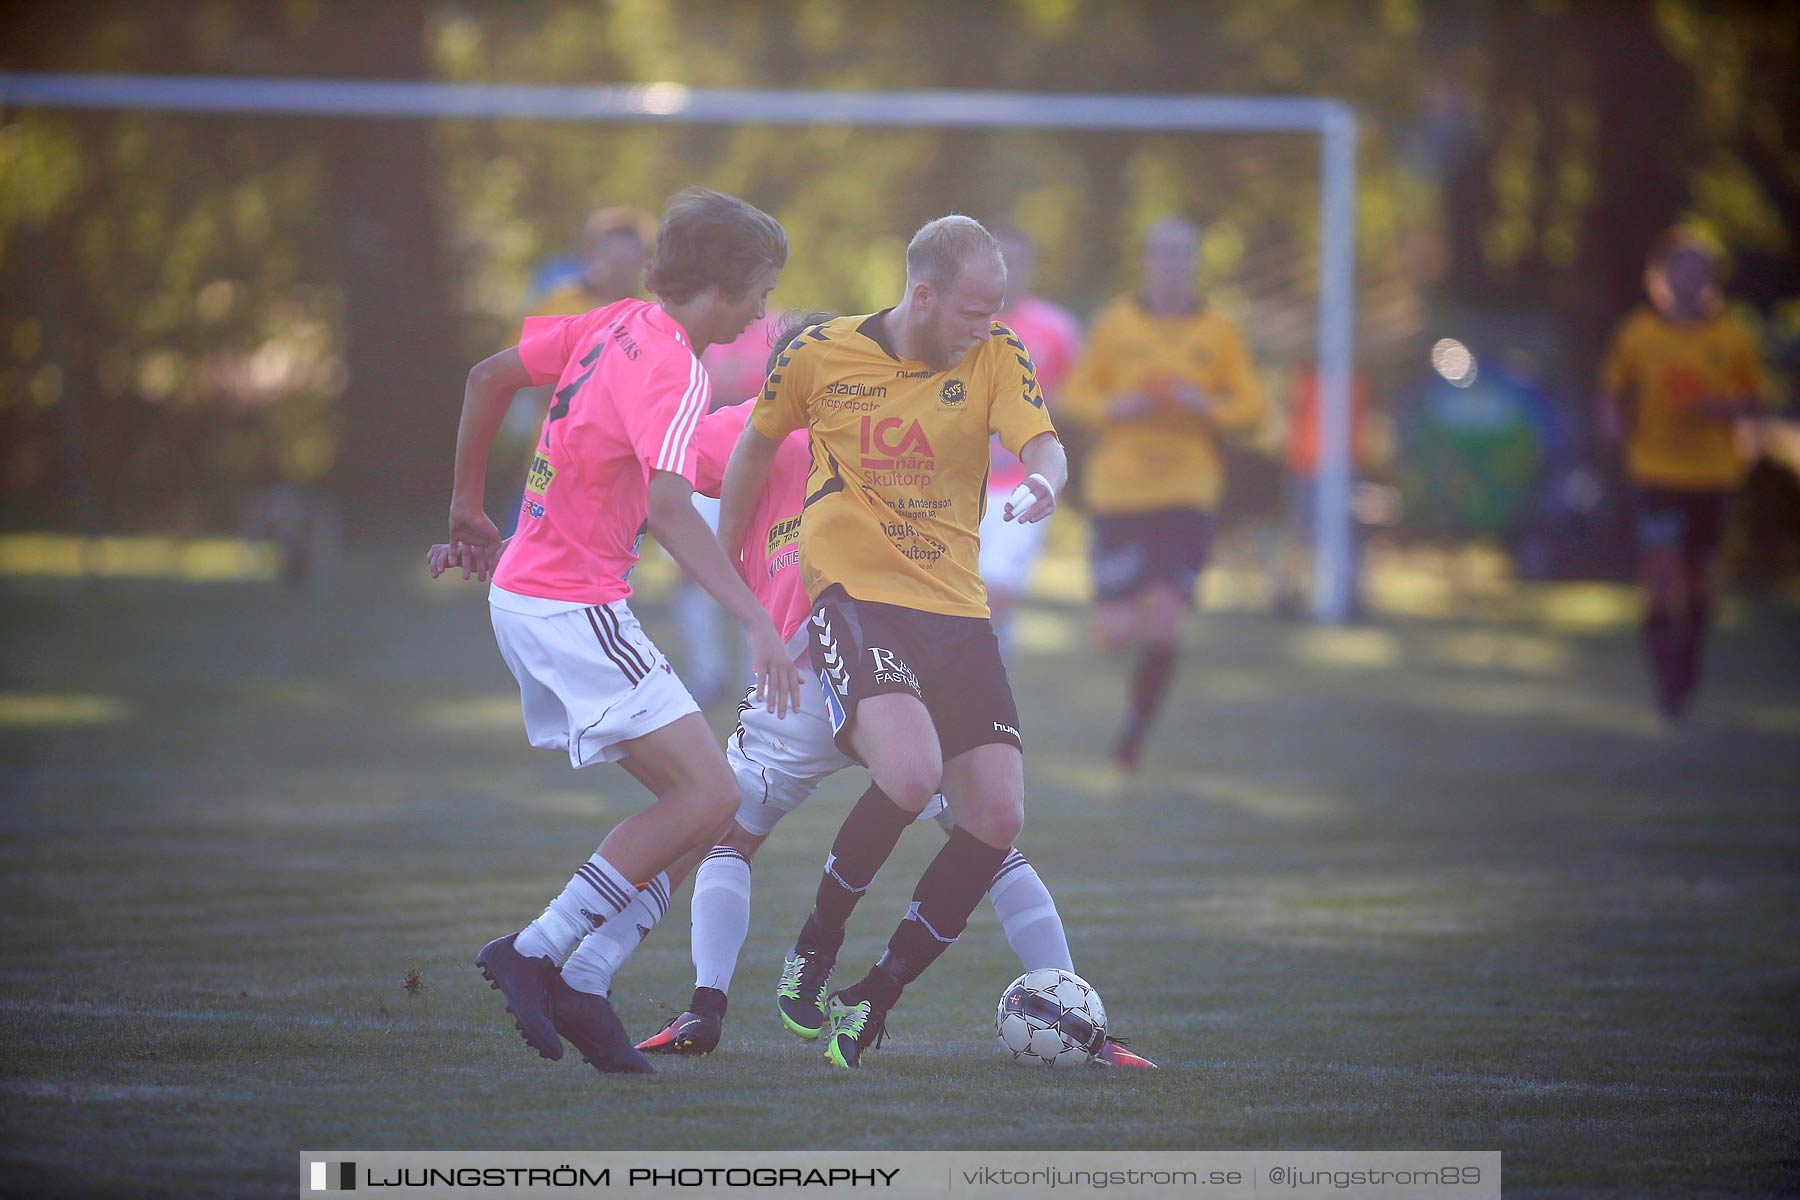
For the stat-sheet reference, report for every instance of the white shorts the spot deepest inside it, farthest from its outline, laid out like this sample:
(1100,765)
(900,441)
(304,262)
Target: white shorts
(589,679)
(781,761)
(1009,549)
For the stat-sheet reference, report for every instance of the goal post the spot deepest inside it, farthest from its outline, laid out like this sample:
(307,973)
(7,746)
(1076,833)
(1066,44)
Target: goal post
(1333,121)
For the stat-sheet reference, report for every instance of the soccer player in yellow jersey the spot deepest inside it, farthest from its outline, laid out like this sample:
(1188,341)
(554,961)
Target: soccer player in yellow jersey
(899,406)
(1679,375)
(1163,376)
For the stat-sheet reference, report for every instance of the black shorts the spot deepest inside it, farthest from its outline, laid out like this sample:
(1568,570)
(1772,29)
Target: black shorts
(1131,551)
(1692,523)
(861,648)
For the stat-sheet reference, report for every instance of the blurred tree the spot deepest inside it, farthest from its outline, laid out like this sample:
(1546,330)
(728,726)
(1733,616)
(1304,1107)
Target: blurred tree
(193,307)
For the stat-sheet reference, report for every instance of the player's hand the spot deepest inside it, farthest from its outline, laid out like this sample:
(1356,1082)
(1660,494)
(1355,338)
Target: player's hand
(1030,502)
(474,543)
(438,559)
(1186,396)
(777,679)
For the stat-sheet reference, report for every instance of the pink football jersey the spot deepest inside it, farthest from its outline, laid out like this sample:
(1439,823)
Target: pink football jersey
(1053,337)
(771,553)
(629,395)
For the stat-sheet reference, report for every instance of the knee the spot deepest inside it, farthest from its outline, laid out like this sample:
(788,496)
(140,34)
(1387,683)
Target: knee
(998,830)
(714,793)
(909,785)
(996,823)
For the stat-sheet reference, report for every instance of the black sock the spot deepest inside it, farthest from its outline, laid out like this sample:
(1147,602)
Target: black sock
(1691,642)
(879,987)
(1149,684)
(948,892)
(864,841)
(707,1001)
(1662,650)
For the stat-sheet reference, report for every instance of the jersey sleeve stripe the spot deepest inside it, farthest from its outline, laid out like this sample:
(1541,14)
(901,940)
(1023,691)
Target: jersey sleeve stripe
(687,418)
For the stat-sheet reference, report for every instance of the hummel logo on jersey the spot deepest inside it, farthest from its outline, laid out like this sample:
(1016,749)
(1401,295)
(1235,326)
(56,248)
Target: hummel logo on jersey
(913,374)
(999,728)
(836,669)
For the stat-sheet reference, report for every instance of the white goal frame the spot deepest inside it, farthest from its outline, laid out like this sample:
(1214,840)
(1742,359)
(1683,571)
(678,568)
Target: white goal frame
(671,103)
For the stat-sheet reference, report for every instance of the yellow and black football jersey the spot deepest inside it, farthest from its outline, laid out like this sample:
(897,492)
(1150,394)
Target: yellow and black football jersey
(899,458)
(1168,459)
(1663,368)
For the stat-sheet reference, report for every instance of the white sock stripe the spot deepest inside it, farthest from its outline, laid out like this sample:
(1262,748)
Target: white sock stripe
(912,914)
(655,895)
(725,852)
(1010,864)
(831,870)
(610,891)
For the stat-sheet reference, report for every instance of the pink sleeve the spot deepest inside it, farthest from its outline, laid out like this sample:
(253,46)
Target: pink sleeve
(547,343)
(713,443)
(671,397)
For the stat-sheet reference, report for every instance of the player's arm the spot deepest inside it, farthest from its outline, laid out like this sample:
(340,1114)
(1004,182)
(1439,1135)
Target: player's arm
(1091,392)
(474,540)
(746,475)
(681,531)
(1741,395)
(1047,468)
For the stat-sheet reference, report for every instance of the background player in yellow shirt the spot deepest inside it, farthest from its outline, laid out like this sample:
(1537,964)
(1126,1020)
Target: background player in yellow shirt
(1680,374)
(1164,374)
(899,406)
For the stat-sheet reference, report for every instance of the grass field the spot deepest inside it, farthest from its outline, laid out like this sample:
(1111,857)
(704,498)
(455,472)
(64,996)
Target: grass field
(1428,883)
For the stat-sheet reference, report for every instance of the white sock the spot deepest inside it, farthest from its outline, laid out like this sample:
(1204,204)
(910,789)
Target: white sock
(721,916)
(590,969)
(595,892)
(1034,928)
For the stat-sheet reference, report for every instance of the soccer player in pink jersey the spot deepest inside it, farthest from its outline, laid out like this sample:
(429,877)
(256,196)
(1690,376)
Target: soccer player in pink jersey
(1010,549)
(616,455)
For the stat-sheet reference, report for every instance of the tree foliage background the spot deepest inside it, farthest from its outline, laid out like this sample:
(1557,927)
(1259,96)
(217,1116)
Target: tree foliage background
(193,307)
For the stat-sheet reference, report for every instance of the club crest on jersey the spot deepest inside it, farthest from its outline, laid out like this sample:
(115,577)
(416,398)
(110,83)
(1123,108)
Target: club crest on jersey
(952,394)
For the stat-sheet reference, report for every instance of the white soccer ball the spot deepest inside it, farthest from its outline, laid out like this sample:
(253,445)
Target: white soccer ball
(1051,1018)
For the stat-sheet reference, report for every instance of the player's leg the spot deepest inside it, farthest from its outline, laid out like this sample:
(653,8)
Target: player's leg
(695,800)
(877,715)
(573,667)
(973,710)
(985,786)
(1176,545)
(778,765)
(1661,530)
(721,922)
(1705,529)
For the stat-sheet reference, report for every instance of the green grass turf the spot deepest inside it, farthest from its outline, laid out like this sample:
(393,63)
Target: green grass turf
(1425,884)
